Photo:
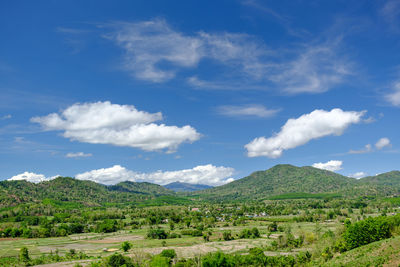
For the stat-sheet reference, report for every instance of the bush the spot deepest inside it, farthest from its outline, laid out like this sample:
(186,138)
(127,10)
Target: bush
(118,260)
(168,253)
(24,255)
(366,231)
(126,246)
(227,235)
(157,234)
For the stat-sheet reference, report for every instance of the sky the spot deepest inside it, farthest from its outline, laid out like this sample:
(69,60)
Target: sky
(197,91)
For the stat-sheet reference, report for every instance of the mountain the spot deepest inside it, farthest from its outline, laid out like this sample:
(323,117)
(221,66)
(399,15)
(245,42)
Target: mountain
(72,190)
(141,188)
(281,179)
(186,187)
(272,183)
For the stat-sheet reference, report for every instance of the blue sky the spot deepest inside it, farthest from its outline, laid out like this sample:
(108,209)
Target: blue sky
(197,91)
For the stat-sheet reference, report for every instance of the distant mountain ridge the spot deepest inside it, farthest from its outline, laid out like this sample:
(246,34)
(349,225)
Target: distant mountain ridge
(278,180)
(186,187)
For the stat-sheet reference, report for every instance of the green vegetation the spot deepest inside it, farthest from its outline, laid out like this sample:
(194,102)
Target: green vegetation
(285,216)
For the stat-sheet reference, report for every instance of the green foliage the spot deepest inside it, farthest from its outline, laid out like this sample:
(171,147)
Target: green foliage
(227,235)
(157,234)
(366,231)
(305,196)
(168,253)
(126,246)
(252,233)
(24,254)
(118,260)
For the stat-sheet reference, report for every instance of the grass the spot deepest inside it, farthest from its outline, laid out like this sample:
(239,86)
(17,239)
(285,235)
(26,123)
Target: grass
(384,252)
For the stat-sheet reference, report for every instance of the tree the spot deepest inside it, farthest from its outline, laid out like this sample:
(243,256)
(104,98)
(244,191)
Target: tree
(126,246)
(24,254)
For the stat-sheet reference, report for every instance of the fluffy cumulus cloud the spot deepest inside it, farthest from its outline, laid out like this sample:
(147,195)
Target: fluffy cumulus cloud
(120,125)
(358,175)
(247,111)
(299,131)
(382,143)
(204,174)
(156,52)
(332,165)
(32,177)
(78,155)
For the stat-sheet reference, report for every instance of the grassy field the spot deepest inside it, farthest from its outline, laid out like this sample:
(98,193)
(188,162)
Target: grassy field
(100,245)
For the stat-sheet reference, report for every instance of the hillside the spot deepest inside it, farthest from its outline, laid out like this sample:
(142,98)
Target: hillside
(72,190)
(186,187)
(278,180)
(141,188)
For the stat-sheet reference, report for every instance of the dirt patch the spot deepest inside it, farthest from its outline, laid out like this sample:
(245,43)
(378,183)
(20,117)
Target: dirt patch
(115,239)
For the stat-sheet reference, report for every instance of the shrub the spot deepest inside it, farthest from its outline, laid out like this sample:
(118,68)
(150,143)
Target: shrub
(366,231)
(118,260)
(126,246)
(157,234)
(24,254)
(168,253)
(227,235)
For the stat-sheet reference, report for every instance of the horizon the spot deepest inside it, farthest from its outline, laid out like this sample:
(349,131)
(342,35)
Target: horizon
(17,178)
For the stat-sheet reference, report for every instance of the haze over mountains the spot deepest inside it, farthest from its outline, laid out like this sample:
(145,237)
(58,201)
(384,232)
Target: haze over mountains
(278,180)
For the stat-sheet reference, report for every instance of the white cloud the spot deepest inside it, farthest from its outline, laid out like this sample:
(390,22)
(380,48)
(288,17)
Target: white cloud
(315,70)
(247,110)
(120,125)
(155,52)
(367,149)
(297,132)
(394,97)
(6,117)
(32,177)
(204,174)
(332,165)
(383,142)
(358,175)
(78,155)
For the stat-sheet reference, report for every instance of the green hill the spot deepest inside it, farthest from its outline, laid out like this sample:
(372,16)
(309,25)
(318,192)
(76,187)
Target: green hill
(287,179)
(281,179)
(141,188)
(279,182)
(68,189)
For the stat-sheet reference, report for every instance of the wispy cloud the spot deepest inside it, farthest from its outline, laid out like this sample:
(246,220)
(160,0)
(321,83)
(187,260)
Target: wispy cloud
(156,52)
(366,149)
(78,155)
(393,97)
(379,145)
(390,11)
(252,110)
(5,117)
